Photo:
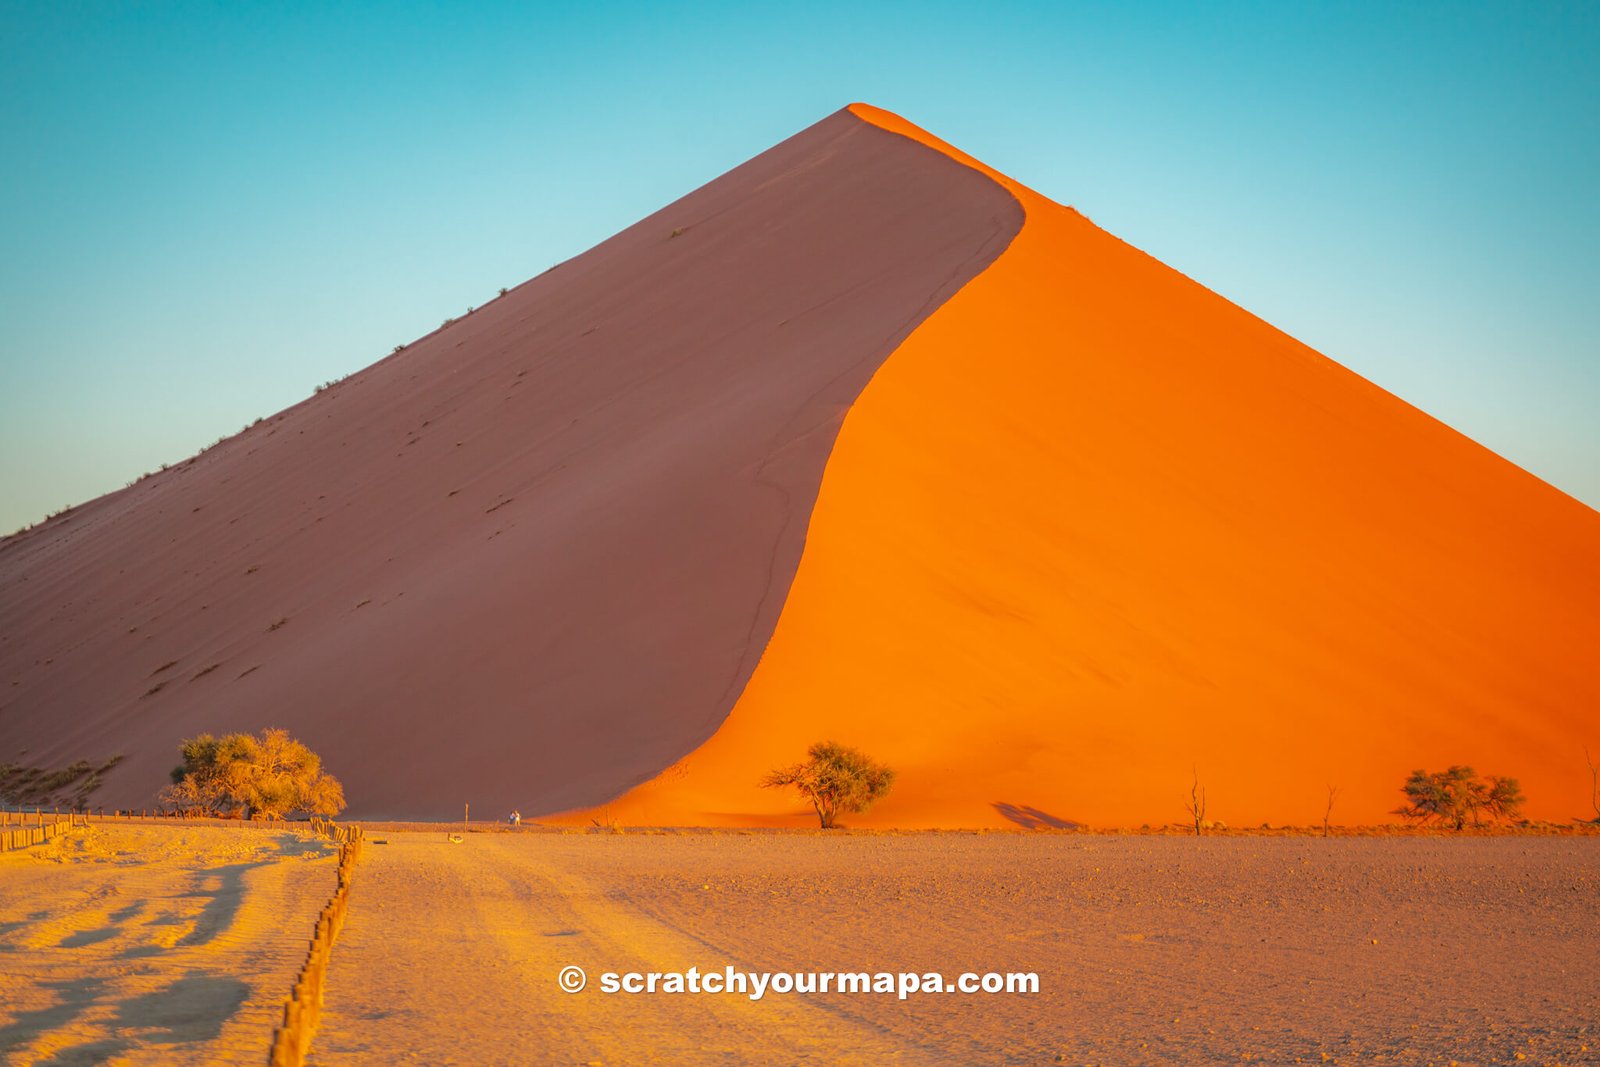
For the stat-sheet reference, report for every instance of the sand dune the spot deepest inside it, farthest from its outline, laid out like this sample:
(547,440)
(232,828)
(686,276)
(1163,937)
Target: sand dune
(1039,521)
(532,559)
(1093,527)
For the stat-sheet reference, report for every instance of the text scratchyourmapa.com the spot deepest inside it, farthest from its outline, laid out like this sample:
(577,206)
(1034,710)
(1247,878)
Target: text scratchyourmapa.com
(757,984)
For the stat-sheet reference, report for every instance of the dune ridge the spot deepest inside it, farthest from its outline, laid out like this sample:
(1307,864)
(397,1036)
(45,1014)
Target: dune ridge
(1093,530)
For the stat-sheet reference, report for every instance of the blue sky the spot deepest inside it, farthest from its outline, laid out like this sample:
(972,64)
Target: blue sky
(207,209)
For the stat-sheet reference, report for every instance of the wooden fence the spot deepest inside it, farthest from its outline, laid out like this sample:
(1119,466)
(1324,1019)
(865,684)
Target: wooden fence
(34,828)
(303,1008)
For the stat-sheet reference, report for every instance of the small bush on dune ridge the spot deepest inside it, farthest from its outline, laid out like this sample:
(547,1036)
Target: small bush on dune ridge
(1456,794)
(835,780)
(254,777)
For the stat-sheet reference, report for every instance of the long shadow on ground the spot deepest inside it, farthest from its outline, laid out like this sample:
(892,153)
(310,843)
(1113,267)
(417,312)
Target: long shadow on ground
(77,995)
(191,1010)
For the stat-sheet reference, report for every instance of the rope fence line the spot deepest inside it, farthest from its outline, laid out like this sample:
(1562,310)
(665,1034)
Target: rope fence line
(302,1010)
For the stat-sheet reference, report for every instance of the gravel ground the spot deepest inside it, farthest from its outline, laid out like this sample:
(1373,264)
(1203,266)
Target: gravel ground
(1158,950)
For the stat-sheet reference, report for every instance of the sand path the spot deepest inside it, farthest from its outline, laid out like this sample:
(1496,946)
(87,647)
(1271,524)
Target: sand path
(131,944)
(1149,949)
(451,953)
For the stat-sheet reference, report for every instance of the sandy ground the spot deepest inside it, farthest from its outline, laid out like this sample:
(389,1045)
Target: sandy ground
(1149,950)
(131,944)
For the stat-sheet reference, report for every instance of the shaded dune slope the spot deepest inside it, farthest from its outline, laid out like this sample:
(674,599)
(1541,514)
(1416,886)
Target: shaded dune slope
(1093,529)
(533,558)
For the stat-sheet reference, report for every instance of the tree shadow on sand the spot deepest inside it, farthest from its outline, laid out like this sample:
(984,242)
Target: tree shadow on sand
(113,928)
(11,925)
(1034,819)
(191,1010)
(90,937)
(88,1055)
(301,845)
(76,995)
(223,904)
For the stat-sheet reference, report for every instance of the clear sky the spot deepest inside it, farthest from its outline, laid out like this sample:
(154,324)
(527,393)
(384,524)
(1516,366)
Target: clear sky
(207,209)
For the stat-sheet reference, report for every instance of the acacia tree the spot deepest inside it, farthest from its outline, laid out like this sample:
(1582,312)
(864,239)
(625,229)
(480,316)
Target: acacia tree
(1456,794)
(836,780)
(214,775)
(255,777)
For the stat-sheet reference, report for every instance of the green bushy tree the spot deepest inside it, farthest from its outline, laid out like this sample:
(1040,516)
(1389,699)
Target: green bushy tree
(1456,794)
(835,779)
(268,777)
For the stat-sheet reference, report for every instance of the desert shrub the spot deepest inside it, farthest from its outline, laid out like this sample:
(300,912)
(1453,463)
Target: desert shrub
(834,780)
(40,786)
(268,777)
(1454,795)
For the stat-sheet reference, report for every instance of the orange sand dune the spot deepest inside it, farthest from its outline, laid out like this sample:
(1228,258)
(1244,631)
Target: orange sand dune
(1093,527)
(1085,527)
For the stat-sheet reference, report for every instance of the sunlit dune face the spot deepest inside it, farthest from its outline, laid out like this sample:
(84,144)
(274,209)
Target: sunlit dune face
(1093,531)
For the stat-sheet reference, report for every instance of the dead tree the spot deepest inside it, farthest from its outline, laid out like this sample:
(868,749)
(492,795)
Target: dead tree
(1594,785)
(1196,804)
(1327,813)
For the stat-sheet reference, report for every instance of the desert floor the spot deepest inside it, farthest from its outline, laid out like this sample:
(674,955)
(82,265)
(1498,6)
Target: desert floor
(1156,950)
(154,944)
(170,944)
